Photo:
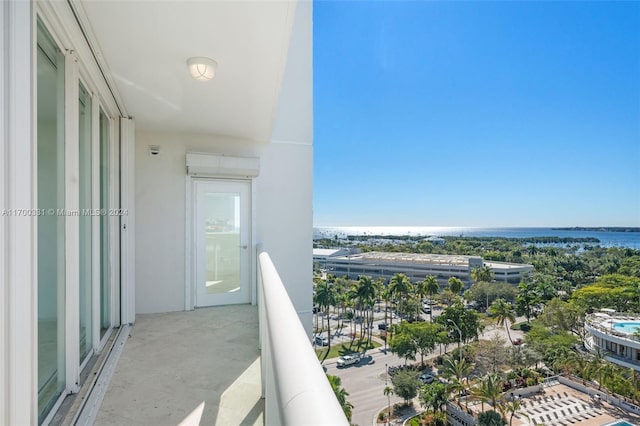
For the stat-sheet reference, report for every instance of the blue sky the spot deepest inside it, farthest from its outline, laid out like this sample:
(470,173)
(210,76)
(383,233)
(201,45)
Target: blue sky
(476,113)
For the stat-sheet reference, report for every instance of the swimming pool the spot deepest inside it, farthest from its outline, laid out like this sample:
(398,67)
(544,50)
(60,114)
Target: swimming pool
(619,423)
(628,327)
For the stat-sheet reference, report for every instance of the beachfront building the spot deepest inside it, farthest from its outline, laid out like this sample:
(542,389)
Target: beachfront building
(615,335)
(156,157)
(418,266)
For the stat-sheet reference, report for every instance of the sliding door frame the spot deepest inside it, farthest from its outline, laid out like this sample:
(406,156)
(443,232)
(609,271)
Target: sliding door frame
(80,68)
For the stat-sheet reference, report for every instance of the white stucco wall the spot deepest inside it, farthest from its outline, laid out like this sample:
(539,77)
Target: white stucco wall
(283,198)
(283,214)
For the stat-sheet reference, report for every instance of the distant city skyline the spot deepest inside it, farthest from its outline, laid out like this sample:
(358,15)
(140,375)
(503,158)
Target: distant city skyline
(487,114)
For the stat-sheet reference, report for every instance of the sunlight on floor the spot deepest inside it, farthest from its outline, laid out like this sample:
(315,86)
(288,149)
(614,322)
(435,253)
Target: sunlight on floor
(242,400)
(194,417)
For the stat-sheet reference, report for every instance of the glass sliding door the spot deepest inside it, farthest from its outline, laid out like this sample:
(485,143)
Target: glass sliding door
(85,224)
(105,258)
(77,240)
(51,225)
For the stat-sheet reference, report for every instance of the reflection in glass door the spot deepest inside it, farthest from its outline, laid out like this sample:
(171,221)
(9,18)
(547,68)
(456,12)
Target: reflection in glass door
(222,242)
(51,226)
(105,257)
(85,223)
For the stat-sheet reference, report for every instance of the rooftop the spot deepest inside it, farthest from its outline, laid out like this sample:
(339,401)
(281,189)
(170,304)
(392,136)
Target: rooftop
(433,259)
(562,405)
(505,265)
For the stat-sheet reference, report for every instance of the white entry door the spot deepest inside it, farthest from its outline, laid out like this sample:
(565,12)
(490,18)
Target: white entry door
(222,228)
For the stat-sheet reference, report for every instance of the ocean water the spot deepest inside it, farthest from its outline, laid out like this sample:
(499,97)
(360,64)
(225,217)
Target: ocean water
(606,238)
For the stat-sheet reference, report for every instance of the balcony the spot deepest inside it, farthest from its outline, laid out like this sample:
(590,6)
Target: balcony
(201,365)
(205,367)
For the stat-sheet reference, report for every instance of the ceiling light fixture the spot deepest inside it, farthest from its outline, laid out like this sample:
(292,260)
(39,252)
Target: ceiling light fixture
(201,68)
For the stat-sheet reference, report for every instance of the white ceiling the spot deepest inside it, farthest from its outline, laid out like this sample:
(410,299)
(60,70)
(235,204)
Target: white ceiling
(146,44)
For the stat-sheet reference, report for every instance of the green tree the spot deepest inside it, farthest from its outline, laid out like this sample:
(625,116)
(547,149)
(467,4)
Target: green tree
(455,285)
(388,391)
(630,266)
(366,295)
(512,407)
(420,289)
(433,396)
(526,300)
(551,344)
(326,297)
(489,390)
(483,293)
(564,316)
(504,314)
(490,418)
(424,336)
(466,319)
(432,287)
(458,371)
(403,343)
(341,395)
(405,385)
(546,290)
(482,274)
(610,291)
(399,288)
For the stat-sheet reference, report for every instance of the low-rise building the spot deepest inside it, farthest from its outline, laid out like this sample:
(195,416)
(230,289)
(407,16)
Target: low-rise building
(417,266)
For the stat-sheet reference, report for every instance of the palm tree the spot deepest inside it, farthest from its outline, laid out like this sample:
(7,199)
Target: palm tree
(326,297)
(489,391)
(432,287)
(455,285)
(399,286)
(366,295)
(504,313)
(513,407)
(341,395)
(388,391)
(458,369)
(420,291)
(606,373)
(482,274)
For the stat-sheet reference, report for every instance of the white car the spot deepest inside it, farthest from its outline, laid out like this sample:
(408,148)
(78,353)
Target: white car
(321,341)
(347,360)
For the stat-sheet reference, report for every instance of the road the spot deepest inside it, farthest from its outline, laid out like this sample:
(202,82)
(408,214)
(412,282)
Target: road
(365,382)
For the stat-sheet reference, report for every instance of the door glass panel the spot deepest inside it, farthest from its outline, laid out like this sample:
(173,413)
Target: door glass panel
(222,239)
(86,304)
(105,275)
(222,243)
(51,240)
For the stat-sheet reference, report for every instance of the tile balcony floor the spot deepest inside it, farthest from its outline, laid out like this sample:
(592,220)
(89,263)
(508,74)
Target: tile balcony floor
(172,363)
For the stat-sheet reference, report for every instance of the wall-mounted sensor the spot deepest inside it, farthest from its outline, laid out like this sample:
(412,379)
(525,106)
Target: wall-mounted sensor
(154,150)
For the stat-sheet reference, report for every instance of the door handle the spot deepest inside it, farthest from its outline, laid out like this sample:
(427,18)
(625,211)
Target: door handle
(244,247)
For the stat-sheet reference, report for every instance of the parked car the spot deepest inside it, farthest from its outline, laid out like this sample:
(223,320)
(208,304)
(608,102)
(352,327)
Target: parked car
(347,360)
(382,326)
(426,378)
(321,340)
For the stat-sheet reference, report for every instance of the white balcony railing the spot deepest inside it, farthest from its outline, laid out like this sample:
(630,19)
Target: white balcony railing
(294,385)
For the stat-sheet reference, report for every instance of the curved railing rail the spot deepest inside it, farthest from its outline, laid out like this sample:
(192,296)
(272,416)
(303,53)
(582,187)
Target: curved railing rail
(295,387)
(595,322)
